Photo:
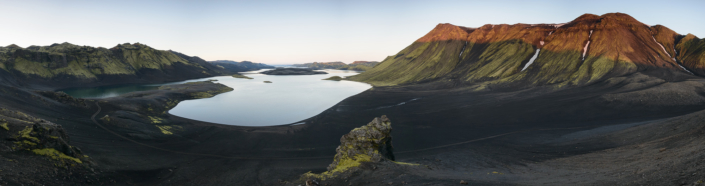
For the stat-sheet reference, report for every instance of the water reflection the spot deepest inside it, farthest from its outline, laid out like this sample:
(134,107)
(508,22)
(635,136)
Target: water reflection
(287,99)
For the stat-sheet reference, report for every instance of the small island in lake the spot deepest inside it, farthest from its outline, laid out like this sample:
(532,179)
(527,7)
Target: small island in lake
(241,76)
(292,71)
(334,78)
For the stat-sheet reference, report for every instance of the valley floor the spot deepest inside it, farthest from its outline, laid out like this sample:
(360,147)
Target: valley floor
(609,133)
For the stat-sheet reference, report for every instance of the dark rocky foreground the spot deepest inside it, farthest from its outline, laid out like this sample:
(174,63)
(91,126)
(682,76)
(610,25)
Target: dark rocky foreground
(632,130)
(292,71)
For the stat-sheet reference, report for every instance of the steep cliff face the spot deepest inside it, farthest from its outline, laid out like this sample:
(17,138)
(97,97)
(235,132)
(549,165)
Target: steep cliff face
(585,50)
(63,64)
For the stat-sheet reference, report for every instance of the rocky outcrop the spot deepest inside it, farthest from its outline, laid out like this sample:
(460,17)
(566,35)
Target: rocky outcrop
(68,65)
(586,50)
(41,137)
(292,71)
(369,143)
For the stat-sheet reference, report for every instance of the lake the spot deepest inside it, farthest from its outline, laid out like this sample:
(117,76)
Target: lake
(288,99)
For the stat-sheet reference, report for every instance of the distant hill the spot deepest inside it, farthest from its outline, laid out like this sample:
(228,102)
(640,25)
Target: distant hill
(322,65)
(67,65)
(357,65)
(234,66)
(587,50)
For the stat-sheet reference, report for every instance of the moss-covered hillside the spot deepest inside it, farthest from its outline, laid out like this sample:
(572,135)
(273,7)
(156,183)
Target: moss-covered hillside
(691,53)
(64,63)
(585,50)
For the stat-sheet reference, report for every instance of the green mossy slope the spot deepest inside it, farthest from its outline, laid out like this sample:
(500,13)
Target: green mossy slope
(567,68)
(494,60)
(64,62)
(416,63)
(585,50)
(495,63)
(691,54)
(450,60)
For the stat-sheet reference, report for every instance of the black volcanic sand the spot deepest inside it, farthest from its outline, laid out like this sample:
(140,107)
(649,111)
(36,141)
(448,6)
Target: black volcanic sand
(634,130)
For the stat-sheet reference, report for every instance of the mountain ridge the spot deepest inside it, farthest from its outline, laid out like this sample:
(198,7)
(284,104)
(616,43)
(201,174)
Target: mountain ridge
(588,49)
(356,65)
(235,66)
(68,65)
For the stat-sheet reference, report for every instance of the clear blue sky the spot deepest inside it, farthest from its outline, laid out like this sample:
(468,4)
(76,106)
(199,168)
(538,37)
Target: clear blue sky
(286,32)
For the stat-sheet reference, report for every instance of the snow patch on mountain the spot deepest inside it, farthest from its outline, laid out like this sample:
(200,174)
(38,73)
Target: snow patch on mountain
(586,45)
(533,58)
(664,49)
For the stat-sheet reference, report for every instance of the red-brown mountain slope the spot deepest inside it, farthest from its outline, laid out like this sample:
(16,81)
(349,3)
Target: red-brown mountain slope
(585,50)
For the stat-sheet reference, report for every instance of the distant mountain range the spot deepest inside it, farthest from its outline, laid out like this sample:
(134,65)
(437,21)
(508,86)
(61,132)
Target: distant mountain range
(586,50)
(356,65)
(240,66)
(67,65)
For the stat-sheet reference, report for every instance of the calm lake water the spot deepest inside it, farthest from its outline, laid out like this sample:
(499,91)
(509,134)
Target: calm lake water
(288,99)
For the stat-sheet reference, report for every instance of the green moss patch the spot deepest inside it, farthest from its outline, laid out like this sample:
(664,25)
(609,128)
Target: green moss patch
(169,129)
(4,125)
(404,163)
(155,119)
(343,165)
(54,154)
(29,67)
(105,118)
(25,133)
(25,144)
(208,94)
(200,95)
